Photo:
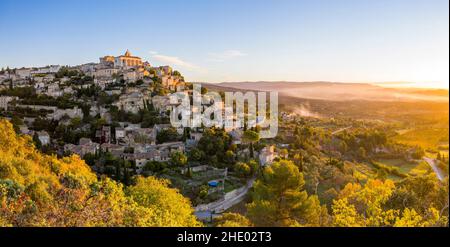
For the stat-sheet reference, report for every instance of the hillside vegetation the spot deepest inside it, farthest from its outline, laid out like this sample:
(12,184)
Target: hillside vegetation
(42,190)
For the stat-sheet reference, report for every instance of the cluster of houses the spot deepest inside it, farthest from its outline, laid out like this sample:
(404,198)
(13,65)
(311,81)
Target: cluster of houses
(22,77)
(127,141)
(119,142)
(131,69)
(110,69)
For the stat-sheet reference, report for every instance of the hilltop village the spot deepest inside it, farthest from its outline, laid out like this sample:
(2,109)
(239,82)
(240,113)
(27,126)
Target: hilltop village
(115,115)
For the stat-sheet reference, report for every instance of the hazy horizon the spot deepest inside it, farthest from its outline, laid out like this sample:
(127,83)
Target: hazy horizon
(384,84)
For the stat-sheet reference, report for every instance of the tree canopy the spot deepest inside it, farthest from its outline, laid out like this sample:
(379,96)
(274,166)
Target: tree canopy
(279,199)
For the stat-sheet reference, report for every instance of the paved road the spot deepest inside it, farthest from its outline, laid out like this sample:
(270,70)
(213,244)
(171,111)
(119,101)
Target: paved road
(223,204)
(437,171)
(226,204)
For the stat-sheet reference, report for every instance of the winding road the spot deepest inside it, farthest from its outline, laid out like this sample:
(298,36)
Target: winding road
(437,171)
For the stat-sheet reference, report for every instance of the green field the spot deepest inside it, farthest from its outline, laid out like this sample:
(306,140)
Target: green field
(404,166)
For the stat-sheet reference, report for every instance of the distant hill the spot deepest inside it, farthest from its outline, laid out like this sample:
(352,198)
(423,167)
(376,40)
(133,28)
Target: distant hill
(337,91)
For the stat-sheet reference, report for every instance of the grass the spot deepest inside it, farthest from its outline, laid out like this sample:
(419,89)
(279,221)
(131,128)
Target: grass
(393,177)
(231,185)
(403,166)
(363,171)
(390,170)
(421,169)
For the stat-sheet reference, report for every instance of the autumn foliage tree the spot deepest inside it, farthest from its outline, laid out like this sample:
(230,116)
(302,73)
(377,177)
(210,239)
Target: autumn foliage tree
(366,205)
(232,220)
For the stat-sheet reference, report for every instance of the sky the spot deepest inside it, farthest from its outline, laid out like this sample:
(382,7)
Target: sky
(239,40)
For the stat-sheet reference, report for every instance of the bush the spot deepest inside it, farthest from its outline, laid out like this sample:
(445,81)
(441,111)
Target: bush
(156,167)
(242,169)
(389,169)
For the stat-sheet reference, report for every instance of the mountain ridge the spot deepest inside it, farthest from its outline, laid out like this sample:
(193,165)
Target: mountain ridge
(337,90)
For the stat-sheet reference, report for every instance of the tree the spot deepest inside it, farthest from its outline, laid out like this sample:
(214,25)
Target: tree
(344,214)
(229,157)
(328,196)
(43,124)
(149,118)
(169,207)
(37,141)
(368,205)
(359,205)
(214,143)
(178,159)
(232,220)
(155,166)
(418,153)
(343,147)
(362,154)
(410,218)
(279,199)
(250,137)
(16,122)
(336,163)
(203,192)
(195,154)
(90,158)
(167,135)
(299,161)
(189,173)
(283,153)
(242,169)
(421,193)
(254,165)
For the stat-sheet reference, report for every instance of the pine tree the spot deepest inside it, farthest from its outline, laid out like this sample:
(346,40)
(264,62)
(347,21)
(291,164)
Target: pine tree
(280,200)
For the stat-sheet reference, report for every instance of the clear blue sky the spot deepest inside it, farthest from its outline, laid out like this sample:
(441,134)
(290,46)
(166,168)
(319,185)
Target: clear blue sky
(245,40)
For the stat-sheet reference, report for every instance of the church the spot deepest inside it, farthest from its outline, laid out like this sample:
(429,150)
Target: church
(126,60)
